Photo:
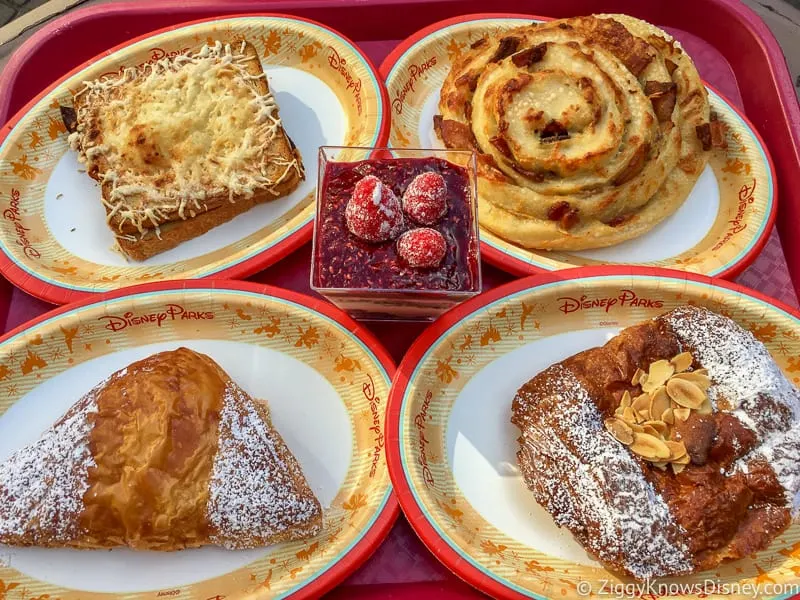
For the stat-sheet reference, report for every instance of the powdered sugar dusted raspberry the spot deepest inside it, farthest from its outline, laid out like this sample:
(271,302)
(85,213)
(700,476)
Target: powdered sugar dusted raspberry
(42,485)
(587,479)
(748,382)
(422,247)
(257,490)
(425,198)
(373,213)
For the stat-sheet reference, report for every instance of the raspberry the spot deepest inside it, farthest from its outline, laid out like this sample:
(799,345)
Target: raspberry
(423,247)
(373,212)
(425,198)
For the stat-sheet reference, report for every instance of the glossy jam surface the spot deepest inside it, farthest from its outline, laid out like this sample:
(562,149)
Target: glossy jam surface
(344,261)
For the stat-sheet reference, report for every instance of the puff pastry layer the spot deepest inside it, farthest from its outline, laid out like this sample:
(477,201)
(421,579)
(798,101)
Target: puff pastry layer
(166,454)
(741,485)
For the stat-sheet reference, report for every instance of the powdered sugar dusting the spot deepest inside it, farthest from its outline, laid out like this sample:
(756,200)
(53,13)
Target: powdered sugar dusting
(42,485)
(749,381)
(377,192)
(254,494)
(373,212)
(782,452)
(425,198)
(589,481)
(739,365)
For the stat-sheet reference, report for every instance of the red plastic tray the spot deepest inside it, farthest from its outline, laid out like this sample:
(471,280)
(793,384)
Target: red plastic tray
(732,47)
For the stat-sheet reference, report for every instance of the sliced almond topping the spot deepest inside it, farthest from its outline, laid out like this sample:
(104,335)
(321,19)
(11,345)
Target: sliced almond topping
(698,379)
(659,427)
(683,460)
(641,402)
(677,467)
(685,393)
(649,447)
(682,413)
(659,402)
(650,430)
(651,385)
(620,430)
(676,449)
(660,371)
(637,376)
(670,393)
(705,408)
(643,380)
(682,361)
(629,415)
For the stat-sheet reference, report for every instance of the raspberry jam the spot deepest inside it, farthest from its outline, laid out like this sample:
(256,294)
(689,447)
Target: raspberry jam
(345,261)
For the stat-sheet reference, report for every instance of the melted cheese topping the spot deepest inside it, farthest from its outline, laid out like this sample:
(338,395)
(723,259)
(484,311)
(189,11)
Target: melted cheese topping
(179,131)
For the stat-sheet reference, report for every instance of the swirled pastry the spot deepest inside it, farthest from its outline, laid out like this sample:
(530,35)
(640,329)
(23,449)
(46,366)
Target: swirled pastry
(166,454)
(673,448)
(589,130)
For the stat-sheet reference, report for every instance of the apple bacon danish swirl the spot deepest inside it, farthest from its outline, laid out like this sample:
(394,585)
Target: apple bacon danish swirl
(673,448)
(168,453)
(589,130)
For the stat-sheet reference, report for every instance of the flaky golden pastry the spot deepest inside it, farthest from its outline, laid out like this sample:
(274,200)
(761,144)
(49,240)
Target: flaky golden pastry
(671,449)
(589,130)
(166,454)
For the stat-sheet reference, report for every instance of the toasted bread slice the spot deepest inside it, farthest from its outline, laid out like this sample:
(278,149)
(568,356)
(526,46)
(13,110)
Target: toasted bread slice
(183,145)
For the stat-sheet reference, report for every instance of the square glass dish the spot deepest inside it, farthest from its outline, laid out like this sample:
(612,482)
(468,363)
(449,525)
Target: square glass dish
(379,280)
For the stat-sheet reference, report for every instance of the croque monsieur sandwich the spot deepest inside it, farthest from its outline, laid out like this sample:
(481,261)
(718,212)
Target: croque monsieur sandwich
(182,145)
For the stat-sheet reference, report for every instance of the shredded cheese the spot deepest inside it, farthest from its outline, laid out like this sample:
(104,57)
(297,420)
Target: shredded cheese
(165,138)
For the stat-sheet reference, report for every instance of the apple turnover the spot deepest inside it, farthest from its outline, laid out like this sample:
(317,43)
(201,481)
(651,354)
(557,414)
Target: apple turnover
(168,453)
(671,449)
(589,130)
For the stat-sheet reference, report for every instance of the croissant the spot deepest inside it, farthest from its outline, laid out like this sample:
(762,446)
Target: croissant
(166,454)
(669,450)
(589,130)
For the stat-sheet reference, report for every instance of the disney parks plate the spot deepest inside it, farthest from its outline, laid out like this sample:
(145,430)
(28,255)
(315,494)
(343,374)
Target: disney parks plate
(326,381)
(719,229)
(452,447)
(53,235)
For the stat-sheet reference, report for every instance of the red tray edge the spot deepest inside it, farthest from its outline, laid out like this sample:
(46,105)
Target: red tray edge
(786,155)
(783,86)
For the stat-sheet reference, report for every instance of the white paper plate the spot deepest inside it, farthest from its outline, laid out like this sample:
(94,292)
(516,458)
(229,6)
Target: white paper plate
(720,228)
(452,447)
(306,359)
(54,240)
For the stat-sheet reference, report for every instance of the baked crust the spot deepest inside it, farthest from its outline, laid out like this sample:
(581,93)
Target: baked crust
(585,129)
(166,454)
(738,491)
(214,154)
(174,233)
